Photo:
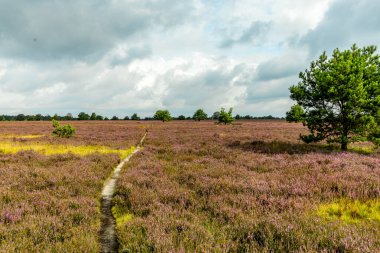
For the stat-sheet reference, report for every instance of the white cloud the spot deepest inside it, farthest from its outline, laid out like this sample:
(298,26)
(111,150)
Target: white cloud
(120,57)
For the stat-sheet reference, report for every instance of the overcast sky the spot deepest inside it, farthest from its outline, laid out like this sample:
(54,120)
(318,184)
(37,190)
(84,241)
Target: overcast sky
(118,57)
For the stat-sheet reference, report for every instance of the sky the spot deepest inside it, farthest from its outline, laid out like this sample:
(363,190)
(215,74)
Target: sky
(118,57)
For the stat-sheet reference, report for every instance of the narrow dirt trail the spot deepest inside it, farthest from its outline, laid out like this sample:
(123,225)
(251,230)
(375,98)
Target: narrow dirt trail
(107,236)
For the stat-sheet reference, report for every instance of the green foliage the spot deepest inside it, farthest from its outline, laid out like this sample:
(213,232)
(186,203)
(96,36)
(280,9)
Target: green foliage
(340,96)
(55,117)
(93,116)
(375,136)
(181,117)
(225,117)
(114,118)
(126,118)
(39,117)
(83,116)
(68,116)
(215,115)
(20,117)
(3,119)
(199,115)
(135,117)
(66,131)
(296,114)
(163,115)
(99,117)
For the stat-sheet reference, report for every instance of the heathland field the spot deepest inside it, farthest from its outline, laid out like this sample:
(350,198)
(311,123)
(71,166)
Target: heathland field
(50,187)
(250,187)
(195,187)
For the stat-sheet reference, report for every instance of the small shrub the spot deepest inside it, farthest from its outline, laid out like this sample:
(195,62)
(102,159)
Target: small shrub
(66,131)
(225,117)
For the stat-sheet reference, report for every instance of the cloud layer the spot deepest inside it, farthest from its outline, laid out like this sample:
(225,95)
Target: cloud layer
(120,57)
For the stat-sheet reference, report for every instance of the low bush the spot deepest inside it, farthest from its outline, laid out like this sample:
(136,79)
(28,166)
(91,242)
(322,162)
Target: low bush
(225,117)
(66,131)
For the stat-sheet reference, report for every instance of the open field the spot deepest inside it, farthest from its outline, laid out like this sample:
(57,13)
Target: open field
(195,187)
(49,198)
(201,187)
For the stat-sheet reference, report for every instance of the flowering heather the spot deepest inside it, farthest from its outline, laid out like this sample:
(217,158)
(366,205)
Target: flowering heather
(252,187)
(51,203)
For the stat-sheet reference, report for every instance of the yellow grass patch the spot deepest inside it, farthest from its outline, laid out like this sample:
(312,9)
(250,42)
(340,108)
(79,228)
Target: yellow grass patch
(28,136)
(120,216)
(51,149)
(351,211)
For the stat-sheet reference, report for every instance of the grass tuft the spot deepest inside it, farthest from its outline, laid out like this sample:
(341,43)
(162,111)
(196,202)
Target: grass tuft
(121,216)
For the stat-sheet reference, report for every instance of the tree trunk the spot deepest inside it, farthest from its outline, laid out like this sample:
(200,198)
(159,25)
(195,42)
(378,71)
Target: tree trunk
(344,142)
(344,145)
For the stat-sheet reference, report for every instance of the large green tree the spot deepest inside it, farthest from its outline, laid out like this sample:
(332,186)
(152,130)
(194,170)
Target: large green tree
(338,98)
(163,115)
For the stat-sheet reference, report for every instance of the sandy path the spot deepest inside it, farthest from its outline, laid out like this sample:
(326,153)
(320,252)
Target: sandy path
(107,235)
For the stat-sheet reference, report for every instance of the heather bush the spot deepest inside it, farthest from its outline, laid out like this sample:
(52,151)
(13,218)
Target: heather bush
(51,203)
(66,131)
(237,189)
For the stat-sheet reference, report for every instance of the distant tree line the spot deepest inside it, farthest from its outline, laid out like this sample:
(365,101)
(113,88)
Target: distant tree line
(163,115)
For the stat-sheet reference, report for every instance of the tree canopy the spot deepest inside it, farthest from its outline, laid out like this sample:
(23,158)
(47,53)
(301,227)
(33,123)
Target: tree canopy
(338,98)
(163,115)
(199,115)
(83,116)
(135,117)
(215,115)
(93,116)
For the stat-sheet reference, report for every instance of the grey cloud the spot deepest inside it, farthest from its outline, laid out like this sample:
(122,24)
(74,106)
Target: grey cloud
(253,34)
(345,23)
(288,64)
(84,30)
(131,55)
(260,90)
(208,89)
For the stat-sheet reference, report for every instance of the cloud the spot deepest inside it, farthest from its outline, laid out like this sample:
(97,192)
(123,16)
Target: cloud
(80,30)
(124,56)
(290,63)
(345,23)
(254,34)
(181,85)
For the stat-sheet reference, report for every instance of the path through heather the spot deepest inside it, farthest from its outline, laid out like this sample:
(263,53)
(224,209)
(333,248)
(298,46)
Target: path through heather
(107,235)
